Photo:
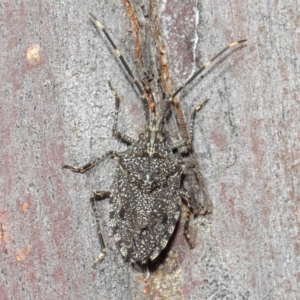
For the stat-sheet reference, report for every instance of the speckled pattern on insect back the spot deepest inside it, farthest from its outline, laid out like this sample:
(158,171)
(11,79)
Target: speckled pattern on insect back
(144,207)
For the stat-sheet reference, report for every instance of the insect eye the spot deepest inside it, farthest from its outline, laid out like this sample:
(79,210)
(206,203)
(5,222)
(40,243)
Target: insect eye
(141,136)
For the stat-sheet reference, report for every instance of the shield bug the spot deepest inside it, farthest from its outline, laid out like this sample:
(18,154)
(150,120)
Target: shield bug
(146,192)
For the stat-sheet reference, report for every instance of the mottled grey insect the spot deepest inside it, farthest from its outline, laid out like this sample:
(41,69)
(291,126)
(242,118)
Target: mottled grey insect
(146,193)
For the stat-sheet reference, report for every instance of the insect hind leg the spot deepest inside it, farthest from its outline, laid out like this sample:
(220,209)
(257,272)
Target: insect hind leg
(97,196)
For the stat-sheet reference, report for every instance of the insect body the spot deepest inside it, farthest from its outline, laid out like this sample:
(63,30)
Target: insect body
(146,193)
(144,207)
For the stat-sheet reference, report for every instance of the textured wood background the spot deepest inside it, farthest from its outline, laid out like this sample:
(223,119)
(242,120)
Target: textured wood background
(56,108)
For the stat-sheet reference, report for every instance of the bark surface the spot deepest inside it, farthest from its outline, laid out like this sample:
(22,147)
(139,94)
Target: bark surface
(57,108)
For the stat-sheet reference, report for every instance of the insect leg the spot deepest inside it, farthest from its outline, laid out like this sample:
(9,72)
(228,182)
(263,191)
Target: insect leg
(208,63)
(124,63)
(123,137)
(192,119)
(180,144)
(96,197)
(91,164)
(186,196)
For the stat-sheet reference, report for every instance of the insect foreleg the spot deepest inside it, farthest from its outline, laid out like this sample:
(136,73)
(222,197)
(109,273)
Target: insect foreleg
(91,164)
(123,137)
(192,119)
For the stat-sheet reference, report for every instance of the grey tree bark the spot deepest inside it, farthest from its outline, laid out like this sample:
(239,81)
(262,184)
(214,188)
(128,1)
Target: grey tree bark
(56,108)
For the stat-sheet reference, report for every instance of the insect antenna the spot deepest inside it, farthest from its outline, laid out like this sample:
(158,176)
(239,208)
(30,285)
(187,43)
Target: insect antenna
(124,63)
(208,63)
